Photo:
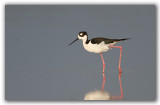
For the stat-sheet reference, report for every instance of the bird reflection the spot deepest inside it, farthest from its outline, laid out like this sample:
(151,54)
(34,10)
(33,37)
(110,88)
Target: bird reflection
(104,95)
(97,95)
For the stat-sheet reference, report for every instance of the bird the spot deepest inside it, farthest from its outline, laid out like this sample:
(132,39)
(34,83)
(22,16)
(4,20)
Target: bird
(99,45)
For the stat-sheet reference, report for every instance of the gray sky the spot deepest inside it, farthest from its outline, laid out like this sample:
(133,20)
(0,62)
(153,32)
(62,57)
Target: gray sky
(39,64)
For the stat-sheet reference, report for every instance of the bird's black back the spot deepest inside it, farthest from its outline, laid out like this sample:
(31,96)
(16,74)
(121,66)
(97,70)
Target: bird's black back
(106,40)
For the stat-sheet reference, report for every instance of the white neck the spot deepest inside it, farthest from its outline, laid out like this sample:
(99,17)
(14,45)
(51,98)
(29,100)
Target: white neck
(84,39)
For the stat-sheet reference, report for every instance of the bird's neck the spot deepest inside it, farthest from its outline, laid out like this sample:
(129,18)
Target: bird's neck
(85,40)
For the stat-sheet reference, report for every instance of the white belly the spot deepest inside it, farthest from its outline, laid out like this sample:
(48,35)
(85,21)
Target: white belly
(97,48)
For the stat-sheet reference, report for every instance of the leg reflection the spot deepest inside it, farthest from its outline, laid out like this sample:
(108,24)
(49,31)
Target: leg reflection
(98,94)
(120,85)
(121,96)
(104,80)
(102,94)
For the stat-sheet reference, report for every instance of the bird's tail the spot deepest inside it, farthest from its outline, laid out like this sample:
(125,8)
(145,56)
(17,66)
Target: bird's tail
(124,39)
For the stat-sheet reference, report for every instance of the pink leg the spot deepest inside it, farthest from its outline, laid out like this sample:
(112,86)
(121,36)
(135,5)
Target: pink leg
(104,79)
(120,85)
(119,56)
(103,63)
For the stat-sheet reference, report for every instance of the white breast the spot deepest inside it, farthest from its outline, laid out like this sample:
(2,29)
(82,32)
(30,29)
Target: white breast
(97,48)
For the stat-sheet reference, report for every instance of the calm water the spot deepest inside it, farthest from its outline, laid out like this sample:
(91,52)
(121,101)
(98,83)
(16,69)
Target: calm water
(39,64)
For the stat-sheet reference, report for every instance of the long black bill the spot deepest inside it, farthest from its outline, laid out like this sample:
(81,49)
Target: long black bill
(73,41)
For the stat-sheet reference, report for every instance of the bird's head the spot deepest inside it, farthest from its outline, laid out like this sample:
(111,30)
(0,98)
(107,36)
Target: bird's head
(82,35)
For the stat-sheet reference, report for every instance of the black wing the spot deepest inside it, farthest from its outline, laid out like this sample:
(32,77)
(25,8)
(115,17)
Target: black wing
(106,40)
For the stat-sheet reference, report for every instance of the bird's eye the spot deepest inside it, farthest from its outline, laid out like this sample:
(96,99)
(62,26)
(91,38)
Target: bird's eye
(81,34)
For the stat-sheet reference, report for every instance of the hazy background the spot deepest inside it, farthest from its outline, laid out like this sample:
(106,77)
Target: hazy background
(39,64)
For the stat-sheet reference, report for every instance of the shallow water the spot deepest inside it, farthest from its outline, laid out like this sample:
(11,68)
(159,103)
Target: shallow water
(73,85)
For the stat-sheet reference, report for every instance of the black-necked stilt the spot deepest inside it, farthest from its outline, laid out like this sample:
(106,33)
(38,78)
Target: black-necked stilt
(99,45)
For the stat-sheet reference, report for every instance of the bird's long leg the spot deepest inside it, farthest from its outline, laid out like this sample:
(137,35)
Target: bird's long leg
(119,56)
(103,63)
(104,79)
